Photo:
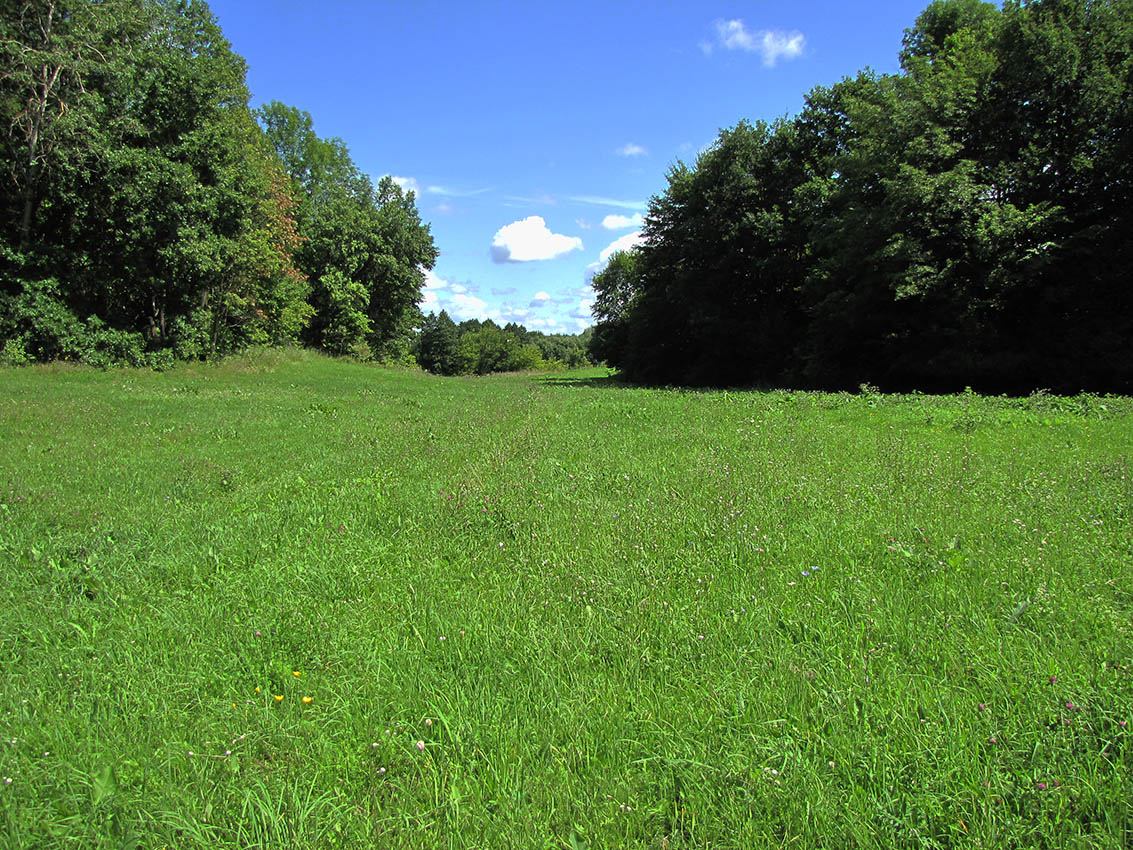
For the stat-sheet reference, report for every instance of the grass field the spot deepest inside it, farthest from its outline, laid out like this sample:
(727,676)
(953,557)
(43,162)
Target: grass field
(291,602)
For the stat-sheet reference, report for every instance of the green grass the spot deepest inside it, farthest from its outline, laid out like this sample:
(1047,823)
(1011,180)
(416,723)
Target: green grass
(613,617)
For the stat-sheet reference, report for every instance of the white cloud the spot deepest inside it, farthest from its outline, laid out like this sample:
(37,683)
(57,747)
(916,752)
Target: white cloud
(409,184)
(582,311)
(434,281)
(444,208)
(630,149)
(623,243)
(539,324)
(468,307)
(621,222)
(599,201)
(626,242)
(540,299)
(455,193)
(530,239)
(429,302)
(771,45)
(458,288)
(534,200)
(512,314)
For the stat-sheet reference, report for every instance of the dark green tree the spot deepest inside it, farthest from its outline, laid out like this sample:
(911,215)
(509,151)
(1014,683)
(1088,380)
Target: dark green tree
(437,344)
(615,288)
(719,271)
(145,198)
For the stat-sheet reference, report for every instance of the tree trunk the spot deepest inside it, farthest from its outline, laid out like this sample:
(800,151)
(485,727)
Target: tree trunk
(36,114)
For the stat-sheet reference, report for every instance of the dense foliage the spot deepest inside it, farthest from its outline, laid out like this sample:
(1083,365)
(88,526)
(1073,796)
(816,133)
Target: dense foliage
(964,222)
(478,348)
(147,215)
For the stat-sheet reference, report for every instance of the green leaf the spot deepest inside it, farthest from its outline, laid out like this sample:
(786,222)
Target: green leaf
(105,783)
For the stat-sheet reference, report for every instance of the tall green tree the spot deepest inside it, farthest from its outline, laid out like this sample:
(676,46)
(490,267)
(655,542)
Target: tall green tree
(437,344)
(963,222)
(149,198)
(365,248)
(719,270)
(615,289)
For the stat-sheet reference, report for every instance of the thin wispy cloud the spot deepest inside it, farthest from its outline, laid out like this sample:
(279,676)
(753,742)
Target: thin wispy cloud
(455,193)
(771,45)
(533,200)
(630,149)
(599,201)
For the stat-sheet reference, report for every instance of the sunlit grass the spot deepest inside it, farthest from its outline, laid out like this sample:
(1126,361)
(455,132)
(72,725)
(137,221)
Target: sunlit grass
(554,612)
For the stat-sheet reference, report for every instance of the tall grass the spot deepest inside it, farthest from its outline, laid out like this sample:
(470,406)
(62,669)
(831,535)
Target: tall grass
(554,612)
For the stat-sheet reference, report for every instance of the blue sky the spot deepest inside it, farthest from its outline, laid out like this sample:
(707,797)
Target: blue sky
(535,132)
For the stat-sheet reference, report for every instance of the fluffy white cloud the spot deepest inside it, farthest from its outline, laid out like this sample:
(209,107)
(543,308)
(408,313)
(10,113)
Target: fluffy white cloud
(540,299)
(530,239)
(626,242)
(771,45)
(621,222)
(630,149)
(463,307)
(407,183)
(434,281)
(623,243)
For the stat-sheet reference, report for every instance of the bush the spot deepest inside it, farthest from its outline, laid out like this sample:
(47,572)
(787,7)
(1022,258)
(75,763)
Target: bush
(39,318)
(192,335)
(13,353)
(37,325)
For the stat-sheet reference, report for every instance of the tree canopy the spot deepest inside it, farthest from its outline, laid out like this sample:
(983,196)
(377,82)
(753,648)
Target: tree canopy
(963,222)
(147,214)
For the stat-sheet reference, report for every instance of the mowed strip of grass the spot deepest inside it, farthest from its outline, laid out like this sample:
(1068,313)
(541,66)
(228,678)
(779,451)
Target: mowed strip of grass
(292,602)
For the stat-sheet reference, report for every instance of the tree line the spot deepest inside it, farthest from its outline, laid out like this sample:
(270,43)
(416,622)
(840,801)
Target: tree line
(476,347)
(149,213)
(964,222)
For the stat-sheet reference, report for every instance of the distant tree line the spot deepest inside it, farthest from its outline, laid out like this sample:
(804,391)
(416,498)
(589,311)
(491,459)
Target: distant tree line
(476,347)
(148,213)
(964,222)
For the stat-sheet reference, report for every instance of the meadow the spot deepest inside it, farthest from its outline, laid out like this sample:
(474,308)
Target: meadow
(289,601)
